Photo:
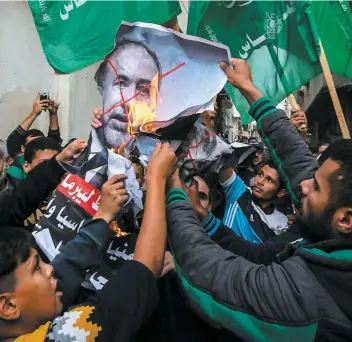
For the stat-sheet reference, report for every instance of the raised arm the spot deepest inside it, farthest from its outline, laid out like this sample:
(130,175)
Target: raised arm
(287,148)
(16,205)
(85,250)
(54,130)
(252,301)
(130,296)
(150,247)
(16,138)
(261,254)
(225,174)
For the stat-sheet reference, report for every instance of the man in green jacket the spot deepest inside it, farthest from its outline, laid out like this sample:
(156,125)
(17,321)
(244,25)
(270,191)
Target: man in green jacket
(306,296)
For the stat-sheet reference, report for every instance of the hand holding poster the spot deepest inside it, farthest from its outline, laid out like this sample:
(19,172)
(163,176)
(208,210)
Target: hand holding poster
(155,81)
(153,85)
(77,199)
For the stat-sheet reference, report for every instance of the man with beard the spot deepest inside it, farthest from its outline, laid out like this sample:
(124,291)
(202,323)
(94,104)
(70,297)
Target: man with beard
(306,296)
(136,66)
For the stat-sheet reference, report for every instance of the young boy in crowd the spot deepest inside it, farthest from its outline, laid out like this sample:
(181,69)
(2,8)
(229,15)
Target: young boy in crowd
(18,203)
(250,212)
(114,313)
(36,152)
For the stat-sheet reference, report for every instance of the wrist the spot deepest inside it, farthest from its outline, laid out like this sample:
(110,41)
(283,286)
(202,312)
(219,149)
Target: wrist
(103,216)
(250,92)
(34,113)
(60,157)
(172,184)
(63,158)
(156,179)
(202,213)
(247,87)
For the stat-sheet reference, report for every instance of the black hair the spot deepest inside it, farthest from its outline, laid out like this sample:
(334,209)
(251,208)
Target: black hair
(206,178)
(34,133)
(258,146)
(215,189)
(253,139)
(98,77)
(15,246)
(341,180)
(271,164)
(40,144)
(216,193)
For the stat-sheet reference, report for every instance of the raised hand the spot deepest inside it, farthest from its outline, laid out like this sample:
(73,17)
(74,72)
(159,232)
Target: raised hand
(53,107)
(208,115)
(240,77)
(162,163)
(169,264)
(113,198)
(98,113)
(299,120)
(175,181)
(72,151)
(39,105)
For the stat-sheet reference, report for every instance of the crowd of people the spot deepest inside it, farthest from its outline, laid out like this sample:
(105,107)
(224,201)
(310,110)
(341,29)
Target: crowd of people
(261,251)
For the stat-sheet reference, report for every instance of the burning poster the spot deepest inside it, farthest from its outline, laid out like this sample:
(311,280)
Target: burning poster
(76,200)
(155,81)
(152,84)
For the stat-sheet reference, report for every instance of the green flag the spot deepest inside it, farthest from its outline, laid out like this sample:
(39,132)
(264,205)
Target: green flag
(278,39)
(334,22)
(75,34)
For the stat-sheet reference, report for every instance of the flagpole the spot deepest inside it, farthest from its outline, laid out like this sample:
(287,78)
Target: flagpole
(333,93)
(294,105)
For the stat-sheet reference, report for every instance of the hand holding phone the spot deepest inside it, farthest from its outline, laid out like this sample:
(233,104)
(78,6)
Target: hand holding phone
(40,104)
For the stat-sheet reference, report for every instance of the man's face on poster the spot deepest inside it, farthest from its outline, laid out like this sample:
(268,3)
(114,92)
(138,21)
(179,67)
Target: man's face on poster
(136,69)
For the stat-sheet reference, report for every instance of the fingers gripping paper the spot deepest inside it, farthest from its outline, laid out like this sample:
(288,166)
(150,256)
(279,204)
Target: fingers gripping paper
(156,81)
(153,84)
(77,199)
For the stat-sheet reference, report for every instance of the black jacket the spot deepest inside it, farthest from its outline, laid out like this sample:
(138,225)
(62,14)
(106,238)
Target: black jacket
(17,138)
(20,202)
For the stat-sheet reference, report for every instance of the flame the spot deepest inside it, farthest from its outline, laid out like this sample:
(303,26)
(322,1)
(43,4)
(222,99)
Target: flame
(117,230)
(141,113)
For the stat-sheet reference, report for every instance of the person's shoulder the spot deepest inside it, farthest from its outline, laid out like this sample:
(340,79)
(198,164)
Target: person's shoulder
(37,335)
(75,324)
(134,279)
(137,270)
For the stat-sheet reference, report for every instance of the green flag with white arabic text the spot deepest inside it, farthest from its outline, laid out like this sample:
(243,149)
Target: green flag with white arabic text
(277,38)
(75,34)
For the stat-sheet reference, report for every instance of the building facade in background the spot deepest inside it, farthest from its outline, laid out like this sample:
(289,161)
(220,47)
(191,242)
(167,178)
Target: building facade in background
(24,71)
